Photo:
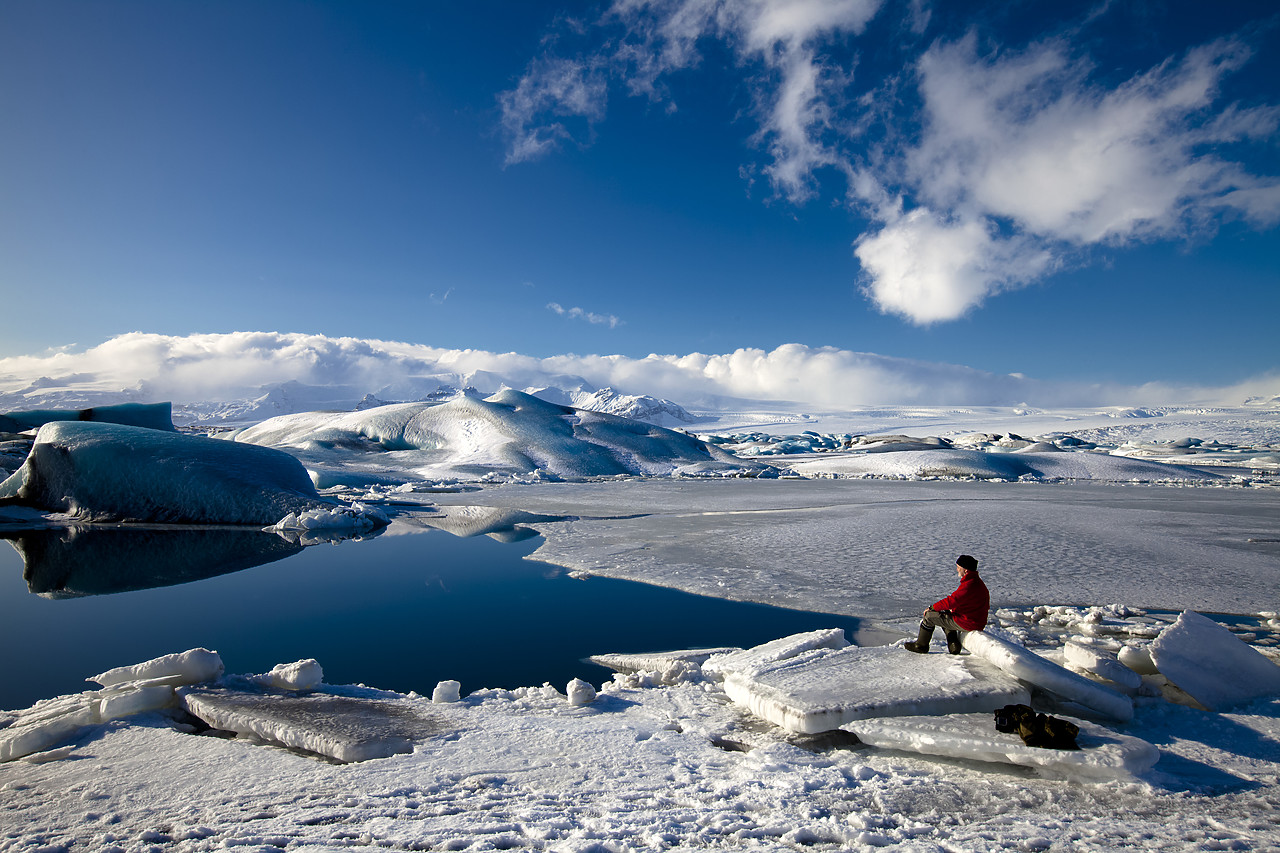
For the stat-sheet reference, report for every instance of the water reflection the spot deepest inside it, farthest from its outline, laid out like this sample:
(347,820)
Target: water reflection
(401,611)
(79,561)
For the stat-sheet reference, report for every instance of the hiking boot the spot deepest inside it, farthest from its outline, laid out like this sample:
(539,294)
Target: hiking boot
(920,645)
(954,646)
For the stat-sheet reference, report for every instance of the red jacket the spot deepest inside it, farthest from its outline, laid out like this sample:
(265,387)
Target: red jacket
(969,603)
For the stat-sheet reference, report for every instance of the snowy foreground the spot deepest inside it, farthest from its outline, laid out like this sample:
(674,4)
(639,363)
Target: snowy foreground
(804,743)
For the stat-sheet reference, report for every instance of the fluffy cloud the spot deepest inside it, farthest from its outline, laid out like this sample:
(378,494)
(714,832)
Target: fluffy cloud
(243,365)
(993,169)
(1025,139)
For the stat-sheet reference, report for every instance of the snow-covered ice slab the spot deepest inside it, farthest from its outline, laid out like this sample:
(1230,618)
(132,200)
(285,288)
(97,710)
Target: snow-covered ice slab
(344,728)
(658,661)
(1103,754)
(1033,669)
(822,690)
(1212,665)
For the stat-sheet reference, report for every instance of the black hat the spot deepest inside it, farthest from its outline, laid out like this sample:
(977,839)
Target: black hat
(969,564)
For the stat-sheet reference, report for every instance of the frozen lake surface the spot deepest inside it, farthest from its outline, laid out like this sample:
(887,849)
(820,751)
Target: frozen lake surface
(400,611)
(884,549)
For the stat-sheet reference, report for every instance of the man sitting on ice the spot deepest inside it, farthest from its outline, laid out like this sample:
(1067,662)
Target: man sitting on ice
(960,612)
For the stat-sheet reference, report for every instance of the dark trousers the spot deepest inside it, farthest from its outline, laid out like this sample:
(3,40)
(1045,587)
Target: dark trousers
(941,619)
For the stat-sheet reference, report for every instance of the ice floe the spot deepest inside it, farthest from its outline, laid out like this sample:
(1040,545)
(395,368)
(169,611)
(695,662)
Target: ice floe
(344,728)
(824,689)
(1103,754)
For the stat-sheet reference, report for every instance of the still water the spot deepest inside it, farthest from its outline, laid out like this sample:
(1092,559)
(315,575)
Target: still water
(400,611)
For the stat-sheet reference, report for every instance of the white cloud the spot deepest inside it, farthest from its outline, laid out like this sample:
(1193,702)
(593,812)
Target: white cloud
(773,39)
(1019,160)
(552,91)
(578,314)
(927,269)
(1027,137)
(241,365)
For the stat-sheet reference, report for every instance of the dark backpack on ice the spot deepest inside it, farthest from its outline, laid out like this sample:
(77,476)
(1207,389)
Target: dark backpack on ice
(1037,729)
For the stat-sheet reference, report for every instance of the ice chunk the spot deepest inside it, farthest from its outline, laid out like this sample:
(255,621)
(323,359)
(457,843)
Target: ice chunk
(658,661)
(1103,754)
(784,648)
(345,728)
(124,700)
(109,472)
(1212,665)
(357,518)
(299,675)
(580,692)
(825,689)
(446,691)
(46,724)
(1033,669)
(149,415)
(1092,658)
(190,667)
(1138,659)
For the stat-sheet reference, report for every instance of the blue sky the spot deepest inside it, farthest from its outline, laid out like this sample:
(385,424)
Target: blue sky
(1061,190)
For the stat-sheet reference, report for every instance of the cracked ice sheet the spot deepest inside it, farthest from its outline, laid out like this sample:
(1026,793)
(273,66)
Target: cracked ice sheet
(885,549)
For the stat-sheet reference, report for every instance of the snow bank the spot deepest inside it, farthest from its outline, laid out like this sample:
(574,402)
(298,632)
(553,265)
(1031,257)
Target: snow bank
(1029,667)
(1103,755)
(1212,665)
(112,472)
(823,689)
(510,434)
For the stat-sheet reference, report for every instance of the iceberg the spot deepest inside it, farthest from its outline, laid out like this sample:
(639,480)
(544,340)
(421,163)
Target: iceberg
(1212,665)
(509,434)
(1104,755)
(112,472)
(150,415)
